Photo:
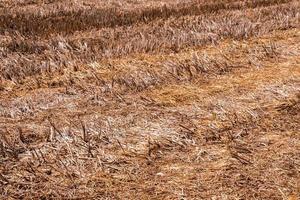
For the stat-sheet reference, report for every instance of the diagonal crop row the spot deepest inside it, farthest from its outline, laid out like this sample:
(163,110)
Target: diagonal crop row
(86,19)
(160,36)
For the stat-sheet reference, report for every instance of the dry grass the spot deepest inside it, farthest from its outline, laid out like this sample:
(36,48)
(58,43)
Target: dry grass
(149,99)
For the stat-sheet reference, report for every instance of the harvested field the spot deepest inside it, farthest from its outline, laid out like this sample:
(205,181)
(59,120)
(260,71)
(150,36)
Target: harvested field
(139,99)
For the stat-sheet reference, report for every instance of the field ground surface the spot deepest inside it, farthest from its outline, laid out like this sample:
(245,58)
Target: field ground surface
(159,99)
